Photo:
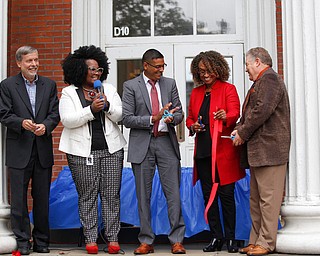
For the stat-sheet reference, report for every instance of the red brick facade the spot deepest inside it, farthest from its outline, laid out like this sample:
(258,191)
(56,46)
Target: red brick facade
(279,36)
(46,25)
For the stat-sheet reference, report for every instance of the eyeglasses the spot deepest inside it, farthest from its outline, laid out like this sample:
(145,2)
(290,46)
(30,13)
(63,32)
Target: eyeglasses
(157,66)
(96,70)
(202,72)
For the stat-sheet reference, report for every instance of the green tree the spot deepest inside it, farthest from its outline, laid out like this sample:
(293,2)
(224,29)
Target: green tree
(170,19)
(134,14)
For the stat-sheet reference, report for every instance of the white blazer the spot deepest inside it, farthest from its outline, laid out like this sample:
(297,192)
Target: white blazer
(75,138)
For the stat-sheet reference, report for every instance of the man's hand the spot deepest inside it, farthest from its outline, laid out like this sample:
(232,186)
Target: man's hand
(40,130)
(169,119)
(29,125)
(37,129)
(158,116)
(237,141)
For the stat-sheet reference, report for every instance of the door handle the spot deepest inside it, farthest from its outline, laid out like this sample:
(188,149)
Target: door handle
(180,131)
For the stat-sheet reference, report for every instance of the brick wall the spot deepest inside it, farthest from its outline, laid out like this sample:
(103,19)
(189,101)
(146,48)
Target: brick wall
(46,25)
(279,36)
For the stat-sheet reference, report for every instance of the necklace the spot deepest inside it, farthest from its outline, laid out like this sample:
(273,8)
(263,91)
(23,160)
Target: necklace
(207,93)
(91,93)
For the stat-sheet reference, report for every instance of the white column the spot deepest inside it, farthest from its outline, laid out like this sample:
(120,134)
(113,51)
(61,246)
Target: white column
(301,48)
(7,239)
(260,29)
(86,23)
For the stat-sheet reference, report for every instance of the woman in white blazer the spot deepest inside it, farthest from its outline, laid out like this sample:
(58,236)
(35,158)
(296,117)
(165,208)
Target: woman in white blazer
(93,142)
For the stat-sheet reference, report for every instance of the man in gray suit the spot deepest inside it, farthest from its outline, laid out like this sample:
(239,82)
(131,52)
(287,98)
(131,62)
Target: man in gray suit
(152,142)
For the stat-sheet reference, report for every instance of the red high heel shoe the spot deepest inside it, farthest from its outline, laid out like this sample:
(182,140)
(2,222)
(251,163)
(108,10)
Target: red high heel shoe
(92,249)
(113,249)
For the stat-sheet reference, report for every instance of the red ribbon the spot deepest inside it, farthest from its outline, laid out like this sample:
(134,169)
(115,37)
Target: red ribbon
(217,127)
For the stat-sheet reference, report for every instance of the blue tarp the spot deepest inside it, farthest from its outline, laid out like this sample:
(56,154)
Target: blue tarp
(64,204)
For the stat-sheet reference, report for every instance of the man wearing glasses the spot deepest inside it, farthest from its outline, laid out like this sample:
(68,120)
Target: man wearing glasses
(152,108)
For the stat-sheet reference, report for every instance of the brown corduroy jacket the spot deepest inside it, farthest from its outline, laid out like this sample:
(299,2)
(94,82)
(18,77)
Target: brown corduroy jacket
(265,122)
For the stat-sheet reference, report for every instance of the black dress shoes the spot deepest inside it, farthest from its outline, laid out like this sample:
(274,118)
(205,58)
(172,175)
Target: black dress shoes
(24,250)
(41,249)
(215,245)
(232,246)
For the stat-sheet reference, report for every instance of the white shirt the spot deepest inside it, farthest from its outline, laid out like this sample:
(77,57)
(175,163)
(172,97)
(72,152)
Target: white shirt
(162,125)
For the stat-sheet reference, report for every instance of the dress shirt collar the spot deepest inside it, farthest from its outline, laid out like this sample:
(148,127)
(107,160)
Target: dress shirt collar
(27,82)
(146,80)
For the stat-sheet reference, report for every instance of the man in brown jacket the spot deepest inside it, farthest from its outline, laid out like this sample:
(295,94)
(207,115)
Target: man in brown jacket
(264,133)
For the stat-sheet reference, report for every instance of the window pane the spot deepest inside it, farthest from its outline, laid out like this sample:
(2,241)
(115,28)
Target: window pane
(127,69)
(173,17)
(189,83)
(131,18)
(216,17)
(230,63)
(189,80)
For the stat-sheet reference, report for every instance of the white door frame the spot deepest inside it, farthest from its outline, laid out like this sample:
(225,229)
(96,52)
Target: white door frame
(134,52)
(175,56)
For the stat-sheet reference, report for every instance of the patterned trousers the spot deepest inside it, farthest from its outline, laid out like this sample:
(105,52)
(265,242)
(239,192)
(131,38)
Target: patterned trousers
(103,177)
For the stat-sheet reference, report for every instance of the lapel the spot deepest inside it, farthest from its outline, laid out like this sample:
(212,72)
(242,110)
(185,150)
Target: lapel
(81,97)
(246,100)
(39,94)
(22,91)
(164,92)
(144,93)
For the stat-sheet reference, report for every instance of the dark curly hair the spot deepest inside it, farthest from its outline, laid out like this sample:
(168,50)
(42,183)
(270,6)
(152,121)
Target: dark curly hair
(74,66)
(214,62)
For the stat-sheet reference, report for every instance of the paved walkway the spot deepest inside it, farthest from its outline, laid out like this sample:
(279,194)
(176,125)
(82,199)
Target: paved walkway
(160,249)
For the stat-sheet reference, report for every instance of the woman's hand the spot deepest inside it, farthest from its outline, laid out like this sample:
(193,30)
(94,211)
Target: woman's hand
(97,105)
(197,126)
(220,115)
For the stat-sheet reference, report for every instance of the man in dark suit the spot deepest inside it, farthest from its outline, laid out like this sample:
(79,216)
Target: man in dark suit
(264,129)
(152,142)
(29,110)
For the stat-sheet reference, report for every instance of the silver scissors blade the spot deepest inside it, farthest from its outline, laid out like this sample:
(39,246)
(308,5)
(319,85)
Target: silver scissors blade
(227,137)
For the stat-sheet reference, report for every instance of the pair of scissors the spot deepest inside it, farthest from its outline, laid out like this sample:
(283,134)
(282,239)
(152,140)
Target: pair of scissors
(200,122)
(166,114)
(228,137)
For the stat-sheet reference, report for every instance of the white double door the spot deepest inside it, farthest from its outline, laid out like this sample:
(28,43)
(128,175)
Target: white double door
(178,58)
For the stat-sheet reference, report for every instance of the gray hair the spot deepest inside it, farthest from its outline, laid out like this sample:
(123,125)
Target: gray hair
(261,54)
(24,50)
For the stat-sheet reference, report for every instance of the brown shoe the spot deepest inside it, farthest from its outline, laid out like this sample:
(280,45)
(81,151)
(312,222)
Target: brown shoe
(258,250)
(177,248)
(144,249)
(246,249)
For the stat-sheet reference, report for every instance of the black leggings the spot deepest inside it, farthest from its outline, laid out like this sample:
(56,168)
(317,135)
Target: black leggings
(226,195)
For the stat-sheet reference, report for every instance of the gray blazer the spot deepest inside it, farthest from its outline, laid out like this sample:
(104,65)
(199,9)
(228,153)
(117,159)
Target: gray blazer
(265,123)
(136,111)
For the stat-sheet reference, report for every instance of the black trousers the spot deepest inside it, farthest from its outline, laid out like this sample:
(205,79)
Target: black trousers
(225,194)
(20,222)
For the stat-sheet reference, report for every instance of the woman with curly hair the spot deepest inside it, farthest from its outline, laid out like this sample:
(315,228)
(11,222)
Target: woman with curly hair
(93,142)
(214,108)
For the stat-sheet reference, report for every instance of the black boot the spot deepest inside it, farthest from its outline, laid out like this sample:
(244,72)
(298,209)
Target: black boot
(215,245)
(232,246)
